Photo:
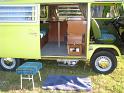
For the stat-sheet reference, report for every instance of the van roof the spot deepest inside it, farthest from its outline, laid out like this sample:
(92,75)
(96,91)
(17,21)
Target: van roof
(54,1)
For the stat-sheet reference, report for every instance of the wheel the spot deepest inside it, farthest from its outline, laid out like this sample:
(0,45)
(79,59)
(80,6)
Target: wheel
(103,62)
(9,64)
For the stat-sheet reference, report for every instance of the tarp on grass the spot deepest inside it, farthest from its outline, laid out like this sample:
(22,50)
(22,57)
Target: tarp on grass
(67,83)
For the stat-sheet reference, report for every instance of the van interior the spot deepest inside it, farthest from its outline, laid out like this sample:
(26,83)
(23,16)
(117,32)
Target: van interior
(63,29)
(106,26)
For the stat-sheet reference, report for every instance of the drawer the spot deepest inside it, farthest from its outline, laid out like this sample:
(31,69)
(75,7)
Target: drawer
(74,49)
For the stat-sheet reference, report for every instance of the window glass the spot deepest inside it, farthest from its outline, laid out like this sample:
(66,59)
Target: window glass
(17,13)
(72,12)
(100,11)
(43,11)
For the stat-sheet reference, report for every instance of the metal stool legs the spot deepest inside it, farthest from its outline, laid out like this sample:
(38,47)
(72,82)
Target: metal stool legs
(30,77)
(39,75)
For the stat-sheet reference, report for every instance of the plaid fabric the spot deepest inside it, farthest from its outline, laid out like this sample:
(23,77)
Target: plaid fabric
(29,68)
(108,38)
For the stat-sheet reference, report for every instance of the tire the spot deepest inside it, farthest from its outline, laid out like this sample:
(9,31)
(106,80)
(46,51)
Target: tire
(9,64)
(103,62)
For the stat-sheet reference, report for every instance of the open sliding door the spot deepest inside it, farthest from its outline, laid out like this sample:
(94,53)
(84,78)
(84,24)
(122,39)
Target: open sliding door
(20,31)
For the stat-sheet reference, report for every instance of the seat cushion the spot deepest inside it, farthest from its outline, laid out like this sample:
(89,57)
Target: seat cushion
(26,70)
(29,68)
(38,65)
(104,31)
(107,38)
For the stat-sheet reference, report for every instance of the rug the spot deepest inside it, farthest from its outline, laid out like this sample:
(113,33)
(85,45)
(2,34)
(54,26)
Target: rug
(67,83)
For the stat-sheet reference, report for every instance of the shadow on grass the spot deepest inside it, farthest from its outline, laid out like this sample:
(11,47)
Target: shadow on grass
(10,81)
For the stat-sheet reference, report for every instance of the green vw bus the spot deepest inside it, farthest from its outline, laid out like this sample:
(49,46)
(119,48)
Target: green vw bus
(67,30)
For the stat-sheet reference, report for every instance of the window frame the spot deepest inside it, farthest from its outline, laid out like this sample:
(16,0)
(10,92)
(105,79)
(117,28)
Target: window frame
(45,12)
(34,7)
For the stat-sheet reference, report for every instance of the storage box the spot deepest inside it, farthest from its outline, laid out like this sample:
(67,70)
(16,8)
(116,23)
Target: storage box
(74,49)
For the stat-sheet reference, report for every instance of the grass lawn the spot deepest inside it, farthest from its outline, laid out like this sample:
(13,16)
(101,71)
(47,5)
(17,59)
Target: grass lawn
(112,83)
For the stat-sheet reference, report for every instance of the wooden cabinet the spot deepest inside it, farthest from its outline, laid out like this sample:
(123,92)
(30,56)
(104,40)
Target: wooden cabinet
(75,49)
(75,35)
(76,28)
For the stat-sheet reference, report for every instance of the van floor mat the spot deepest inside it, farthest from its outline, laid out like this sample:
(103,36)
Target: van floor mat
(52,49)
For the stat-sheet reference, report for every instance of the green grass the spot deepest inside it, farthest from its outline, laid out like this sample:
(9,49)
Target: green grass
(112,83)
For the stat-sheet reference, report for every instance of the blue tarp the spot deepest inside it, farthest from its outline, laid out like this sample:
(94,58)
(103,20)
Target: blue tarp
(67,83)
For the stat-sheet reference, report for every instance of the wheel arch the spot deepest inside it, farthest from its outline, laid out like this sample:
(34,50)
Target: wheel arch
(116,52)
(111,50)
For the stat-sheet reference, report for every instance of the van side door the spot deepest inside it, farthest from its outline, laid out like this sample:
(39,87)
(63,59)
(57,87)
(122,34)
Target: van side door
(20,31)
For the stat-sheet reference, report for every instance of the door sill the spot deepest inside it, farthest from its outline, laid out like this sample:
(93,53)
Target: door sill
(64,57)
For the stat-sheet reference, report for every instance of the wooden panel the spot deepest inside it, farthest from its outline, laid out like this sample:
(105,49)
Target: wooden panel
(75,50)
(76,31)
(53,33)
(72,39)
(63,30)
(76,27)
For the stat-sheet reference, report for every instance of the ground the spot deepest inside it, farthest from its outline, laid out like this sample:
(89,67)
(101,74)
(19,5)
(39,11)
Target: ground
(112,83)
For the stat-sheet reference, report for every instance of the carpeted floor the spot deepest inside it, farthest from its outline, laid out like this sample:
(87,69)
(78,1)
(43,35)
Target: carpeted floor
(52,49)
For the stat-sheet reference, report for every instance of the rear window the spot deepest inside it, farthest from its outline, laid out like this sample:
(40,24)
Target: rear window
(18,13)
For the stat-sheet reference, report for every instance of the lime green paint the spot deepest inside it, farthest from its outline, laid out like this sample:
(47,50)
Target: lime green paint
(123,5)
(94,47)
(39,1)
(105,3)
(63,57)
(96,29)
(20,40)
(122,56)
(88,30)
(50,1)
(45,18)
(102,18)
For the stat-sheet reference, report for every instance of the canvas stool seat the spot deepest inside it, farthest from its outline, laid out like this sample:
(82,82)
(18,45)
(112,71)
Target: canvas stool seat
(30,69)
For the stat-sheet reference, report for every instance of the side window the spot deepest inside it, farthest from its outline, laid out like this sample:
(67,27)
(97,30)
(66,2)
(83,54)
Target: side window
(43,11)
(84,10)
(17,13)
(121,10)
(97,11)
(101,11)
